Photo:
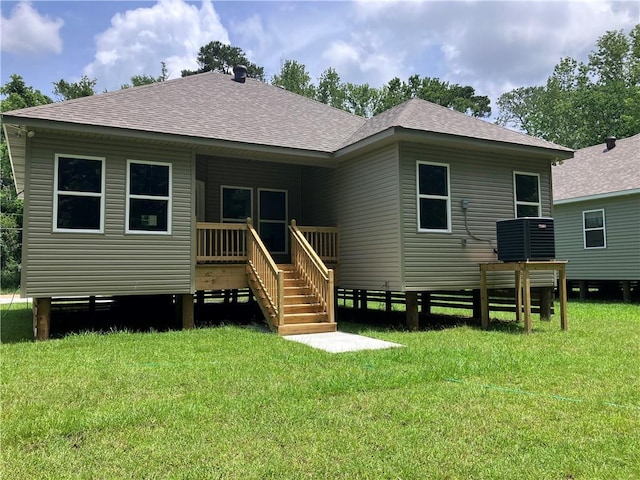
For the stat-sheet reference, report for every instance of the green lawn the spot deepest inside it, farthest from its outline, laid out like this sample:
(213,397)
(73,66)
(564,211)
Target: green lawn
(237,403)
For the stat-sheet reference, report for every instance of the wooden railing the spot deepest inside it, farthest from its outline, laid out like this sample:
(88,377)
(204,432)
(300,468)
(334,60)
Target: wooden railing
(324,240)
(266,272)
(309,264)
(221,242)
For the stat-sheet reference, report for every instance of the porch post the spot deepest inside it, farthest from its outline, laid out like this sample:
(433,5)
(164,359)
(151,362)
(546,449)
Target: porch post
(186,299)
(41,318)
(411,299)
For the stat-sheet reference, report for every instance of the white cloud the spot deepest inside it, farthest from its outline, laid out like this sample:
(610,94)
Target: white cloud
(26,31)
(492,46)
(170,31)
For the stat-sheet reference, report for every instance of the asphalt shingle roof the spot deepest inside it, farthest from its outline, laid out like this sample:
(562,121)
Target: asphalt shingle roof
(417,114)
(596,170)
(213,106)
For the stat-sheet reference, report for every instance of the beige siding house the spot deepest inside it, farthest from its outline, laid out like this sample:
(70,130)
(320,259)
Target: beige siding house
(148,190)
(596,205)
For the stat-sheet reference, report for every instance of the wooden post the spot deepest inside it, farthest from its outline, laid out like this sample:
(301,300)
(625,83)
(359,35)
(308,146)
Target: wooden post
(425,300)
(584,289)
(563,297)
(41,318)
(484,299)
(477,303)
(363,300)
(356,299)
(186,299)
(200,297)
(518,281)
(527,300)
(545,303)
(387,302)
(411,299)
(626,291)
(92,309)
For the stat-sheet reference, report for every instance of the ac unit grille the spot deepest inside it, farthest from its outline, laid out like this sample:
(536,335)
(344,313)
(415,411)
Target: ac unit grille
(525,238)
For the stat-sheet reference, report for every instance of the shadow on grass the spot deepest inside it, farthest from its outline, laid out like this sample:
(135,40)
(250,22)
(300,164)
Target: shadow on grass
(358,321)
(130,314)
(16,324)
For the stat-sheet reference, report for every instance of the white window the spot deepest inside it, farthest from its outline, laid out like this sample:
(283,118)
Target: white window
(272,206)
(434,199)
(526,188)
(236,204)
(148,197)
(78,194)
(595,233)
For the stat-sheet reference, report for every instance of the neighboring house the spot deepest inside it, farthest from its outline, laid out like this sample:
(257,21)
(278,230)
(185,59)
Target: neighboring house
(596,205)
(146,191)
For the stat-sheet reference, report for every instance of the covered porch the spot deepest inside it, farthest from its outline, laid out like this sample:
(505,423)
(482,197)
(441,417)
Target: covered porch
(296,295)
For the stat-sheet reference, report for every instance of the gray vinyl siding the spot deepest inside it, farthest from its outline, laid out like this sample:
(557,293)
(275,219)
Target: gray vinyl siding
(361,196)
(319,202)
(109,263)
(252,174)
(440,261)
(620,260)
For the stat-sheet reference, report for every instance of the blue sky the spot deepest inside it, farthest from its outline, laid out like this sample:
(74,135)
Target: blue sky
(493,46)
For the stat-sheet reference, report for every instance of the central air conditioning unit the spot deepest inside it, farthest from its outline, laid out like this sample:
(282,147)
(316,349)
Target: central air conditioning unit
(525,238)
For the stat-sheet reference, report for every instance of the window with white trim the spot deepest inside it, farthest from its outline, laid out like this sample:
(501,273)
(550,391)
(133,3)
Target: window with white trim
(433,197)
(78,194)
(595,233)
(526,188)
(236,204)
(148,197)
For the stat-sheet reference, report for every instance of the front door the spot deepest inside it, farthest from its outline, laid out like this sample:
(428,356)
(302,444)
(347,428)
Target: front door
(272,210)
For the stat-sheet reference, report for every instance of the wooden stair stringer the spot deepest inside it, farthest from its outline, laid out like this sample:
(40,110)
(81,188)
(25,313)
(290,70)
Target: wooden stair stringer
(261,299)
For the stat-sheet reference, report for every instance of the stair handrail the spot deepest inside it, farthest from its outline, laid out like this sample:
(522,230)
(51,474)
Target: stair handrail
(311,266)
(324,240)
(270,277)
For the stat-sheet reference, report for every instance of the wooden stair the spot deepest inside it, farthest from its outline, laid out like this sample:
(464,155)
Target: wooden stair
(302,311)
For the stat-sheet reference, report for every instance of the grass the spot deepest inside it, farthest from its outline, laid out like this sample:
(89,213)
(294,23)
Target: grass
(236,403)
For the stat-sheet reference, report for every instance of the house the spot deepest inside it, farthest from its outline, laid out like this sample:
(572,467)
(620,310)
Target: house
(596,205)
(147,191)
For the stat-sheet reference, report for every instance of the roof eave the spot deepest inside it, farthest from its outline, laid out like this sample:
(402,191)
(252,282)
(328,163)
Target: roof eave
(294,155)
(16,146)
(597,196)
(435,138)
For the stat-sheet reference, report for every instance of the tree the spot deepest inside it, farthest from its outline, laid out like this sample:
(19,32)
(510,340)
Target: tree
(219,57)
(456,97)
(294,77)
(361,99)
(144,79)
(583,103)
(331,90)
(17,95)
(69,90)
